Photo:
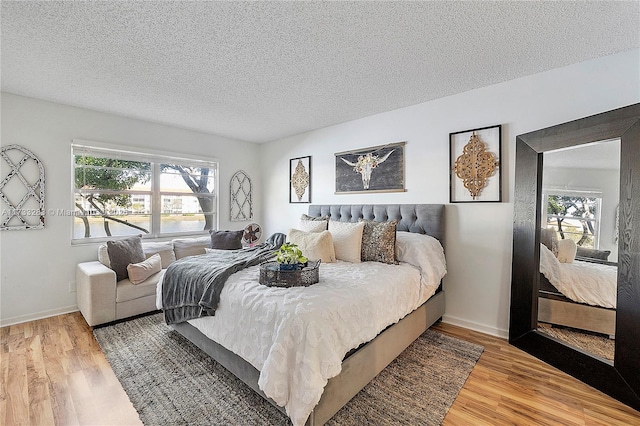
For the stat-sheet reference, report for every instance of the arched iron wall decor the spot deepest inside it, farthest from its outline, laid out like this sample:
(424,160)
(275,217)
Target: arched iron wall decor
(620,380)
(22,190)
(241,203)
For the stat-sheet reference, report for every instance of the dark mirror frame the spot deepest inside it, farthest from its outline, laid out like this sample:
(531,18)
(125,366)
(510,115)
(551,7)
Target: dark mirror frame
(622,379)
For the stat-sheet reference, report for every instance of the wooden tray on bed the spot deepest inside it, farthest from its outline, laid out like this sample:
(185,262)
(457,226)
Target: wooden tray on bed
(272,276)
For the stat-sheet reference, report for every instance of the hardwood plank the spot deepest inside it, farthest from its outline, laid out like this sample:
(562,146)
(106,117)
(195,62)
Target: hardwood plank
(53,372)
(17,405)
(509,386)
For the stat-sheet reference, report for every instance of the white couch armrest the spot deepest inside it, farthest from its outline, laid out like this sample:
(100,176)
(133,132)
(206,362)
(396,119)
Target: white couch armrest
(96,292)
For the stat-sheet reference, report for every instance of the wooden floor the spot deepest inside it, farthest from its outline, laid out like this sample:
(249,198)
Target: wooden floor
(53,372)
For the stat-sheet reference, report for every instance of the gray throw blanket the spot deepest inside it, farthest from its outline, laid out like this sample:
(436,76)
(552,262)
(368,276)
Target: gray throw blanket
(191,286)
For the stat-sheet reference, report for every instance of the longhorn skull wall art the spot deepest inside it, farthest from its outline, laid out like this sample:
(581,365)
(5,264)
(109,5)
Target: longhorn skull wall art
(375,169)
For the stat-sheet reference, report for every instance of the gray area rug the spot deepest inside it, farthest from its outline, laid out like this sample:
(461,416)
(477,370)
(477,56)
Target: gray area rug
(596,344)
(171,381)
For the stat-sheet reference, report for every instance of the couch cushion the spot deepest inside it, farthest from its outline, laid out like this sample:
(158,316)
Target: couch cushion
(593,253)
(123,252)
(226,240)
(126,291)
(184,247)
(164,249)
(103,255)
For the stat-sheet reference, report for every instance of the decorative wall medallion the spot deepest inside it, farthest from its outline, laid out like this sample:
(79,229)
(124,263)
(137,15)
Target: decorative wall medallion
(300,180)
(241,203)
(22,190)
(477,160)
(475,166)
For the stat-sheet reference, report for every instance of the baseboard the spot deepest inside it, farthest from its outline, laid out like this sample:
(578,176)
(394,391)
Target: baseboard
(38,315)
(498,332)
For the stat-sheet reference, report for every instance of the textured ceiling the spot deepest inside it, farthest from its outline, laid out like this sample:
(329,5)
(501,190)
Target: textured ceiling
(259,71)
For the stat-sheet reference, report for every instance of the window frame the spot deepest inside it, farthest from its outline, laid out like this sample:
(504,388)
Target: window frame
(155,158)
(597,220)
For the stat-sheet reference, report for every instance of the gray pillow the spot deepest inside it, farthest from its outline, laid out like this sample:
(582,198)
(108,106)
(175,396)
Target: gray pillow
(226,240)
(593,253)
(549,238)
(124,252)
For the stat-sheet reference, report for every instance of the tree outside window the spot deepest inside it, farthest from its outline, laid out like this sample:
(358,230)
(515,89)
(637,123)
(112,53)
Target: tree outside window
(117,196)
(574,217)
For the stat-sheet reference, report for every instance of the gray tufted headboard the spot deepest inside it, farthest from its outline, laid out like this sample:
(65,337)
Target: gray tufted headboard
(420,218)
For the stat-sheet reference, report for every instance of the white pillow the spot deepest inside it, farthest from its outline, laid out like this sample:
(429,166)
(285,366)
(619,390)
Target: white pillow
(347,240)
(422,251)
(567,251)
(314,245)
(139,272)
(312,225)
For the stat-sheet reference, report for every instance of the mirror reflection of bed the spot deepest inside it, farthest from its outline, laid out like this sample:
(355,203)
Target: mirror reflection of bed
(578,250)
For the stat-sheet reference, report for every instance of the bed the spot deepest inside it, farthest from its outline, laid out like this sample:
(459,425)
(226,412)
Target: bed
(308,356)
(581,294)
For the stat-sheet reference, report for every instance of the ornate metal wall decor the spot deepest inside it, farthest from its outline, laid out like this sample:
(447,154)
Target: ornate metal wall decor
(241,203)
(300,180)
(475,166)
(476,162)
(22,190)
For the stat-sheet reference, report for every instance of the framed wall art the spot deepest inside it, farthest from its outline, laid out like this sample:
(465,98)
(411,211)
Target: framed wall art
(475,166)
(300,180)
(375,169)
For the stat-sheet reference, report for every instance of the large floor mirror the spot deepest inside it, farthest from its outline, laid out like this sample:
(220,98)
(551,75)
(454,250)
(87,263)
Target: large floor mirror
(575,292)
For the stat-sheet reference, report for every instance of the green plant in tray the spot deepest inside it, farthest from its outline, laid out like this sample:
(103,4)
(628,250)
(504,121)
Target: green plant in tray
(289,256)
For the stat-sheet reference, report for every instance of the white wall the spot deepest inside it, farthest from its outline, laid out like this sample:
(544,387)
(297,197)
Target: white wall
(36,266)
(479,236)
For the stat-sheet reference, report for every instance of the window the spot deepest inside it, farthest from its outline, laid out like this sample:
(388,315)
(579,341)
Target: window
(119,193)
(574,216)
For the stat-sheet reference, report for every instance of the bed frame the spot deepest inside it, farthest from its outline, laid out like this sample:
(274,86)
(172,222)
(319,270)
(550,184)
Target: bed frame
(555,308)
(362,365)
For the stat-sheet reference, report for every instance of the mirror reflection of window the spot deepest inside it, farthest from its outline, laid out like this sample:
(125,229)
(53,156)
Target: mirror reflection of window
(581,195)
(578,285)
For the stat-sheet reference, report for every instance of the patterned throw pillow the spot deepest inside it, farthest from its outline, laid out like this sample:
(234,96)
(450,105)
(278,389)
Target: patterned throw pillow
(379,241)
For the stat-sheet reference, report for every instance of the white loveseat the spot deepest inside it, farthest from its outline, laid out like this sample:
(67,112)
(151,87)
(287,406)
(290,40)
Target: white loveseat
(102,299)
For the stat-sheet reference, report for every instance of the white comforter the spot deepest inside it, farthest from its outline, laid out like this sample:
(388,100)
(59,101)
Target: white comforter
(298,337)
(585,282)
